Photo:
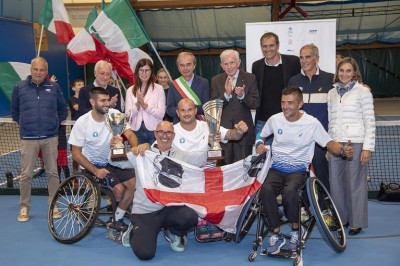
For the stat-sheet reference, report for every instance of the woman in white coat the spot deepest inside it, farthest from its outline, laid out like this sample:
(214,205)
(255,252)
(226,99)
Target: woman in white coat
(351,122)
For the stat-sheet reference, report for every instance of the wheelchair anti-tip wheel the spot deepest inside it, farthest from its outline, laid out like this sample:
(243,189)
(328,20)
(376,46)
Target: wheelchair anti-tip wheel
(247,217)
(326,215)
(78,200)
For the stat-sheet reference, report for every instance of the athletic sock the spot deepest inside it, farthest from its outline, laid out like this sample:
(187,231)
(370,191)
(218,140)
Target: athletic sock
(119,214)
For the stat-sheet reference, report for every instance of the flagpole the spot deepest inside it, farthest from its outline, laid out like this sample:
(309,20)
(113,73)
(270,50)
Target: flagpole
(159,58)
(40,41)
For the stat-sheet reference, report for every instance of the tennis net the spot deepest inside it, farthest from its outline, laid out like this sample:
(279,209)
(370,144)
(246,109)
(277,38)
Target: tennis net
(383,167)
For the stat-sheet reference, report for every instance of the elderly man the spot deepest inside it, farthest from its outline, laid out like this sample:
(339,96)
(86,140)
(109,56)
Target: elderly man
(238,90)
(102,72)
(38,106)
(273,73)
(188,85)
(148,217)
(295,134)
(315,85)
(90,140)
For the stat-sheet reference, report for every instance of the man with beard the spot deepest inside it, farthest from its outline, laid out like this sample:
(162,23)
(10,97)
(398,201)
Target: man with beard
(90,139)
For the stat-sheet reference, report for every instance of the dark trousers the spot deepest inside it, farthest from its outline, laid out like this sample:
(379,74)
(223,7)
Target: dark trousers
(143,237)
(287,185)
(235,152)
(321,166)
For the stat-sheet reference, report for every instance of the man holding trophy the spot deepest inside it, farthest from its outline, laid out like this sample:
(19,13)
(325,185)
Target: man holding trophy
(196,136)
(90,139)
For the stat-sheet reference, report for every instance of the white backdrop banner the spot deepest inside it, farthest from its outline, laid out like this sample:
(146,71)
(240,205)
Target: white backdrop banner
(292,36)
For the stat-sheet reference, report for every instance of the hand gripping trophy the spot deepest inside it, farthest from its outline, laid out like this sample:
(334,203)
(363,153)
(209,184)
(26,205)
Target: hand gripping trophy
(212,113)
(116,123)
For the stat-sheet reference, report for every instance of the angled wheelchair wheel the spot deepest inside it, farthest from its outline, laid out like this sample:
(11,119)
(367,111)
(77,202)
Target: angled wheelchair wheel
(78,200)
(247,217)
(326,215)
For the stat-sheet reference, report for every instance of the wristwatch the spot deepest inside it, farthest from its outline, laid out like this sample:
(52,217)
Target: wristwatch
(342,154)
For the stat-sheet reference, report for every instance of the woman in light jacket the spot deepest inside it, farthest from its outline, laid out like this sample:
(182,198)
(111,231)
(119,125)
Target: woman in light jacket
(145,102)
(351,122)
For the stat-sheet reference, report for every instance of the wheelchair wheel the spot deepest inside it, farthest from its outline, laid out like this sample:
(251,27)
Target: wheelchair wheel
(247,217)
(78,200)
(326,215)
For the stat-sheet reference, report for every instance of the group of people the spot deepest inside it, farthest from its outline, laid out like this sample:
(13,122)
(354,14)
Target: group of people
(304,114)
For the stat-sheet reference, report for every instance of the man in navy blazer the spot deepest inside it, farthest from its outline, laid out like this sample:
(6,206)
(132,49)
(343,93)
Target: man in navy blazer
(186,63)
(102,72)
(238,90)
(273,73)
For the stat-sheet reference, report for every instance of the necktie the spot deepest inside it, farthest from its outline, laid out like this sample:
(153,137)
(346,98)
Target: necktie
(231,81)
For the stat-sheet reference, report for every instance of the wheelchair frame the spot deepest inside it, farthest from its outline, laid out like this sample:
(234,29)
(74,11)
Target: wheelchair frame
(315,208)
(82,207)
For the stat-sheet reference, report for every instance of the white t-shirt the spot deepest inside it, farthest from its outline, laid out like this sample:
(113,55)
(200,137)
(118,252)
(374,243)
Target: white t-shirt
(94,138)
(195,140)
(294,142)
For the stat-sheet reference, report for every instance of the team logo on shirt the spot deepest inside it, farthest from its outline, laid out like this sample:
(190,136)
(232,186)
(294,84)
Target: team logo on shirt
(280,131)
(95,134)
(182,140)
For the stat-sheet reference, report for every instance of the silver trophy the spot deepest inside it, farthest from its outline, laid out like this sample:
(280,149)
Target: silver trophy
(116,123)
(212,113)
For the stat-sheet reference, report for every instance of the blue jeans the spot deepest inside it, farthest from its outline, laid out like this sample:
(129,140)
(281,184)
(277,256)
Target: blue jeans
(259,126)
(144,135)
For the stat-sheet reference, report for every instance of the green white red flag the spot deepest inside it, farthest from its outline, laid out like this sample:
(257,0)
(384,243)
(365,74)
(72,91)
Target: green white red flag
(54,17)
(82,48)
(120,31)
(10,74)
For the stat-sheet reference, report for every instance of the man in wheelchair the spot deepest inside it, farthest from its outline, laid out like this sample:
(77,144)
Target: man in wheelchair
(295,134)
(90,139)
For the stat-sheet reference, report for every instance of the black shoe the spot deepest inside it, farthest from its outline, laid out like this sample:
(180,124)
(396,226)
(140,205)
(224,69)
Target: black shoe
(120,225)
(346,225)
(354,231)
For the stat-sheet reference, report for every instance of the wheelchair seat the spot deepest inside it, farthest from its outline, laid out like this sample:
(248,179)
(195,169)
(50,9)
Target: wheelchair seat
(315,207)
(84,201)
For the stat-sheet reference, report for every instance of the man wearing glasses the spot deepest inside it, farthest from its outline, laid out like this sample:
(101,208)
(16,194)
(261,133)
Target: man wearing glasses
(148,217)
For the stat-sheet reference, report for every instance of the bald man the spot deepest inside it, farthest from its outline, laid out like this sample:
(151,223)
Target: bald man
(193,135)
(148,217)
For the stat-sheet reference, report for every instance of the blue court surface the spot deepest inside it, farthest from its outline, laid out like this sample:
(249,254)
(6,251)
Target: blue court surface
(31,243)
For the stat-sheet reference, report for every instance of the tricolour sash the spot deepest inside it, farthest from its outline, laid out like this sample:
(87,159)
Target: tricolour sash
(186,92)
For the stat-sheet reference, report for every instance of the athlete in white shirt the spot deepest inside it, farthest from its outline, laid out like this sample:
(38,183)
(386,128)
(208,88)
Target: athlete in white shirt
(90,140)
(295,135)
(193,135)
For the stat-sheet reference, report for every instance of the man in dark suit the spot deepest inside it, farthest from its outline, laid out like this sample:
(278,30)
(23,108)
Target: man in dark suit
(238,90)
(188,85)
(273,73)
(102,72)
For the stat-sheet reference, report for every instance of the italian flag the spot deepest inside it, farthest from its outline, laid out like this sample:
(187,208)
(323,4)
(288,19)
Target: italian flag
(82,48)
(10,74)
(54,17)
(119,32)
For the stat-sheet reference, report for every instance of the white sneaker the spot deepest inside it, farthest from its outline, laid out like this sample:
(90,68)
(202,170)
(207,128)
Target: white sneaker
(125,236)
(23,215)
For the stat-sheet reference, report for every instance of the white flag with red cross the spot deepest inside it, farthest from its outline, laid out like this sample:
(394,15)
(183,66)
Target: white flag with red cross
(217,195)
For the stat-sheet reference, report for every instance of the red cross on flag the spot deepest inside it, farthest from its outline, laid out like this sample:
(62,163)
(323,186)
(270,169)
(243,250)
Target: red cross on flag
(217,195)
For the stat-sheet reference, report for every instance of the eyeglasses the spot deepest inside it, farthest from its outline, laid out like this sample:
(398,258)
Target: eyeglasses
(144,71)
(161,132)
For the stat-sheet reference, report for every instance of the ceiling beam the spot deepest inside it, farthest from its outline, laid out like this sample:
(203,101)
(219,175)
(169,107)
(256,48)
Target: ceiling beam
(138,5)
